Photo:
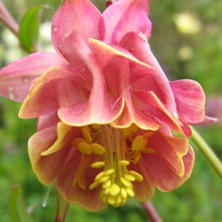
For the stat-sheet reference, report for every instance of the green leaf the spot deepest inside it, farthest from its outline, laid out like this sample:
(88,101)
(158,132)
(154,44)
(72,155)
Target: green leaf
(16,206)
(29,28)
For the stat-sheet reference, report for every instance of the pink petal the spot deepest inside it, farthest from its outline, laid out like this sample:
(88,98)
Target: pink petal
(143,190)
(164,177)
(140,49)
(170,150)
(16,78)
(48,120)
(100,106)
(141,74)
(45,168)
(62,131)
(78,165)
(153,108)
(97,110)
(125,16)
(54,89)
(75,16)
(190,100)
(120,80)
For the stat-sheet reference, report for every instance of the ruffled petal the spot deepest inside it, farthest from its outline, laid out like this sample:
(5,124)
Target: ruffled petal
(143,76)
(46,168)
(55,88)
(190,100)
(86,112)
(16,78)
(143,190)
(75,16)
(152,107)
(126,16)
(48,120)
(135,80)
(74,180)
(170,150)
(62,131)
(162,173)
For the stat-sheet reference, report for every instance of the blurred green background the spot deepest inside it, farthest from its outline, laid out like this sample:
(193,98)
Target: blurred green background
(187,41)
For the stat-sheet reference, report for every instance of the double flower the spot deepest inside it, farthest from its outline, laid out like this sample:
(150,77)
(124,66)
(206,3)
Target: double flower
(110,124)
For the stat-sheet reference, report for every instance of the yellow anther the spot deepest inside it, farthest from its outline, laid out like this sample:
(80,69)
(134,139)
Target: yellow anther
(124,162)
(145,141)
(94,185)
(123,193)
(118,201)
(106,184)
(99,176)
(111,200)
(114,190)
(86,134)
(98,149)
(109,172)
(98,164)
(130,192)
(136,157)
(84,148)
(77,141)
(137,143)
(129,177)
(104,179)
(129,130)
(137,176)
(125,182)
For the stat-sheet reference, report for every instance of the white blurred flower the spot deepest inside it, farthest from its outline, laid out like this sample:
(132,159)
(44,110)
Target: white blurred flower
(11,51)
(44,43)
(187,23)
(185,53)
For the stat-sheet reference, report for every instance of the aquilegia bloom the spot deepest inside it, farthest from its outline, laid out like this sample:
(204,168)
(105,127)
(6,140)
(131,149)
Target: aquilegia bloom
(110,124)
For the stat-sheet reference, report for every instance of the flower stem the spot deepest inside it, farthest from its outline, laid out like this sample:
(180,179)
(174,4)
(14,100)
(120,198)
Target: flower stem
(7,19)
(207,152)
(151,212)
(62,208)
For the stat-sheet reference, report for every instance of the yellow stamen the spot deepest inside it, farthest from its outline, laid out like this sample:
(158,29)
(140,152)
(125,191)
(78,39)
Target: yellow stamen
(129,130)
(99,176)
(84,148)
(137,176)
(124,162)
(98,149)
(114,190)
(98,164)
(125,182)
(130,191)
(123,193)
(129,177)
(103,179)
(109,172)
(86,134)
(137,143)
(107,184)
(77,141)
(94,185)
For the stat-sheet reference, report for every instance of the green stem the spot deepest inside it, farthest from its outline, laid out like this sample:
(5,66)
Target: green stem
(207,152)
(62,208)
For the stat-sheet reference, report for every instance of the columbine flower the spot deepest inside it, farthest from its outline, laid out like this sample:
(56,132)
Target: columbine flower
(108,118)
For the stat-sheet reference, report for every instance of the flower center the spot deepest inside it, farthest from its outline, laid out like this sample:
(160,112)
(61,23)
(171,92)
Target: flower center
(115,149)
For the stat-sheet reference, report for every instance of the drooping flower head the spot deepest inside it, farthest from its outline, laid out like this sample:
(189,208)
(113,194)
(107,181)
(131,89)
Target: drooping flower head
(110,124)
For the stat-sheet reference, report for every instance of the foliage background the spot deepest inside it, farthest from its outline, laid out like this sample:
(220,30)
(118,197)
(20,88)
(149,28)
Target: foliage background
(193,54)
